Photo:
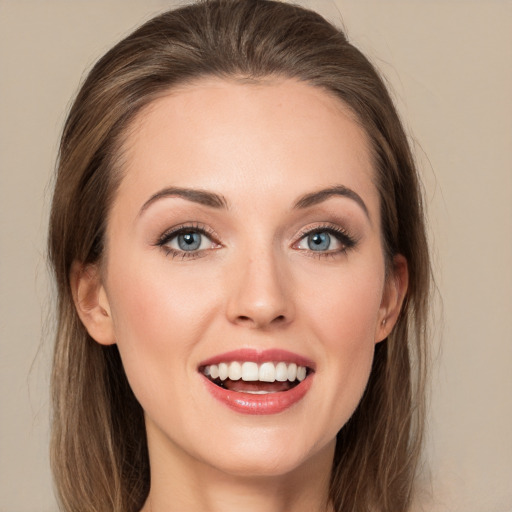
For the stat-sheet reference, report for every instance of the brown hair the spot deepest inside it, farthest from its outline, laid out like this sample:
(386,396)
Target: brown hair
(99,452)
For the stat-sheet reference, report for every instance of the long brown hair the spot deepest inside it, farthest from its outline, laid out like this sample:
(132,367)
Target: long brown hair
(99,452)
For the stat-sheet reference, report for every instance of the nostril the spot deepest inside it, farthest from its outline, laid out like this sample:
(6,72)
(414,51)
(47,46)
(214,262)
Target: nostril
(259,322)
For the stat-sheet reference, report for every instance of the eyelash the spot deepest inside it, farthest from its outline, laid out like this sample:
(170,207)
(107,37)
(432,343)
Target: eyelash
(169,235)
(342,236)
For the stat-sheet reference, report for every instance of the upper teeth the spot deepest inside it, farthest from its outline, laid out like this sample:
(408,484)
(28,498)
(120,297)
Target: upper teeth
(251,372)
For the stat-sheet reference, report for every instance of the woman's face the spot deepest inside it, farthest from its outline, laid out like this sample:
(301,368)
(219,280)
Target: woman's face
(246,233)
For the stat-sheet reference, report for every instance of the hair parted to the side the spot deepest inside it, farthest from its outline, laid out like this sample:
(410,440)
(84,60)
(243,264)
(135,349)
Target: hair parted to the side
(99,453)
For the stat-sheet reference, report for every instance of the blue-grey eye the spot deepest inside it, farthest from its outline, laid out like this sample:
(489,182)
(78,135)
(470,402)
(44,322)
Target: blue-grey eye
(327,241)
(190,241)
(187,241)
(319,241)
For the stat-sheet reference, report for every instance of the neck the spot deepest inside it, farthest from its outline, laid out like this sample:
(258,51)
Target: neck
(186,485)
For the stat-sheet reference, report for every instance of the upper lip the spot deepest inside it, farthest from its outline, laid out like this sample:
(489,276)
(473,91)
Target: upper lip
(259,356)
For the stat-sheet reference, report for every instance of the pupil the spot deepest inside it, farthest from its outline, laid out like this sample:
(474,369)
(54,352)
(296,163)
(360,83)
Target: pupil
(189,241)
(319,241)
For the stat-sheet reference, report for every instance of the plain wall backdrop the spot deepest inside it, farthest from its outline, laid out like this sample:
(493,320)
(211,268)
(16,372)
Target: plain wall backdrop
(449,64)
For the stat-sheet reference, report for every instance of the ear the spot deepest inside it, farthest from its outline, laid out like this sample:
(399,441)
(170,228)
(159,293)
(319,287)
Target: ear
(393,296)
(91,302)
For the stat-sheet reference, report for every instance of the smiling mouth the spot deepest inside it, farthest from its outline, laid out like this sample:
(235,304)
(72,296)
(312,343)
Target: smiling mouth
(257,379)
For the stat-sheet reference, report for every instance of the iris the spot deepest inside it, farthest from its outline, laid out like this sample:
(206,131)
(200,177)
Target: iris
(189,241)
(319,241)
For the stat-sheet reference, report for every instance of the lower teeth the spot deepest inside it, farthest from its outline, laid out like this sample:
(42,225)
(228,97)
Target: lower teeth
(222,384)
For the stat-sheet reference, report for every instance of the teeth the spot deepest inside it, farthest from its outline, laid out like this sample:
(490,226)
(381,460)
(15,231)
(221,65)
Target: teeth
(235,370)
(282,372)
(214,371)
(252,372)
(267,372)
(223,371)
(292,372)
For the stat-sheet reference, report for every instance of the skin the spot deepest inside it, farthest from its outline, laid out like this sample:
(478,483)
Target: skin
(255,283)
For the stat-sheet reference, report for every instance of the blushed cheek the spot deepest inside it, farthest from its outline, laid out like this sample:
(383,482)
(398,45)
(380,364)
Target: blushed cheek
(158,317)
(347,328)
(349,311)
(145,342)
(352,346)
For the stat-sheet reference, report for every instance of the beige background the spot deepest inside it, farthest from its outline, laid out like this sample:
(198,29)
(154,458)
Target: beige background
(450,66)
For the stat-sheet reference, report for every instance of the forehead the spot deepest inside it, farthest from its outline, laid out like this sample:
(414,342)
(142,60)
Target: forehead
(243,138)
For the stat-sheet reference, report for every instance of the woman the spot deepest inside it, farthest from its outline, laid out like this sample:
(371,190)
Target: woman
(239,246)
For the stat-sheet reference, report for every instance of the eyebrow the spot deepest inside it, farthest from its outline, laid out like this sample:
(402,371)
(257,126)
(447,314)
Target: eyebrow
(320,196)
(214,200)
(196,196)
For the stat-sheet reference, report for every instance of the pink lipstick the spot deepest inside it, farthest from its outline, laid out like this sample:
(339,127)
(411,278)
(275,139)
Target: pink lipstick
(258,382)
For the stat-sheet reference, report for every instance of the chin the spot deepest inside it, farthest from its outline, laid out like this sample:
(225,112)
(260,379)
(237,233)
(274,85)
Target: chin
(257,457)
(263,467)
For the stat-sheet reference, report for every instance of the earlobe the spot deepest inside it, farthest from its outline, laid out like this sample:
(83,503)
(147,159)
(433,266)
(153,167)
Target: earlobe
(91,302)
(393,297)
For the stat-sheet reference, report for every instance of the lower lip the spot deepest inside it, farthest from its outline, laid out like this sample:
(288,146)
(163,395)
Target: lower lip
(271,403)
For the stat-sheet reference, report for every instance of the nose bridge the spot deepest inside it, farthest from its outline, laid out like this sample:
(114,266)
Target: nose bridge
(260,296)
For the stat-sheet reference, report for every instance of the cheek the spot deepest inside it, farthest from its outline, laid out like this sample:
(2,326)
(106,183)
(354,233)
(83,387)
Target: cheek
(343,317)
(158,320)
(344,306)
(155,307)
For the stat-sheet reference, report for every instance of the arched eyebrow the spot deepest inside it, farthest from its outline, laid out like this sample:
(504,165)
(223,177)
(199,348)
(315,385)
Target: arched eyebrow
(195,195)
(314,198)
(214,200)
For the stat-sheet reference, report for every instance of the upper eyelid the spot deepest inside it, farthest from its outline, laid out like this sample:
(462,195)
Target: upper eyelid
(346,238)
(209,232)
(180,228)
(322,227)
(170,234)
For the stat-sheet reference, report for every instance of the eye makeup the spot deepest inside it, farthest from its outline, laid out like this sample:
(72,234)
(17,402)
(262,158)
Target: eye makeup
(194,240)
(319,240)
(187,236)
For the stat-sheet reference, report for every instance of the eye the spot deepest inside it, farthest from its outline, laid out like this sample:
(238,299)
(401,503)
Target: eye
(318,241)
(187,241)
(329,240)
(190,241)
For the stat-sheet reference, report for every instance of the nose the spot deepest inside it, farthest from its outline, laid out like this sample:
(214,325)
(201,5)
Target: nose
(260,296)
